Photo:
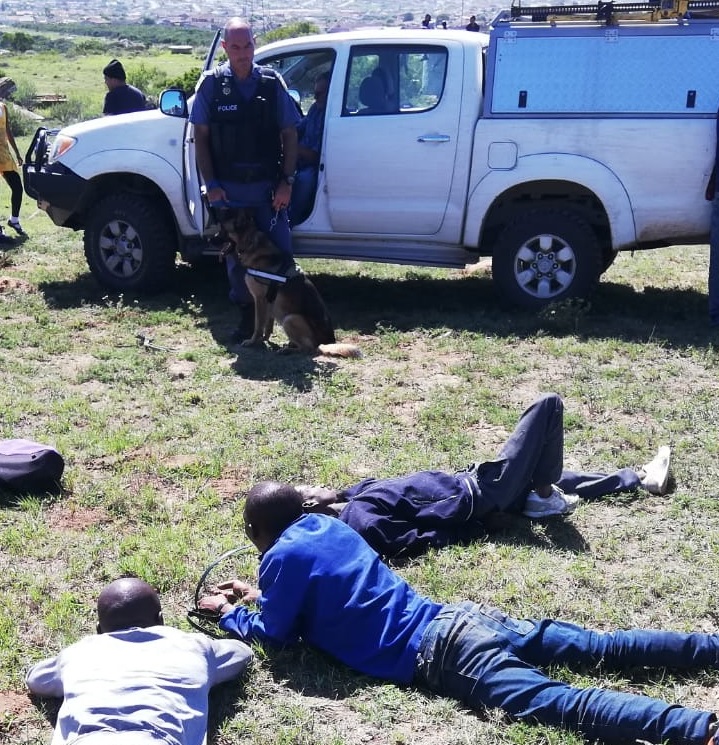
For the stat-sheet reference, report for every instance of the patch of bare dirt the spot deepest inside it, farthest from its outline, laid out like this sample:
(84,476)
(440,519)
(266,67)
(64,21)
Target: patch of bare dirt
(180,369)
(700,697)
(13,284)
(14,704)
(73,517)
(71,364)
(425,369)
(482,267)
(227,487)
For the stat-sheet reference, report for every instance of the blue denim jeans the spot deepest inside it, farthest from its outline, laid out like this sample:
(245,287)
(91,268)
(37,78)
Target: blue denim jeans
(714,263)
(303,194)
(534,456)
(485,659)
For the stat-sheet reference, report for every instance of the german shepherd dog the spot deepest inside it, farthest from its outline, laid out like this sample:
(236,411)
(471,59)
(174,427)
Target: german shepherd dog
(295,304)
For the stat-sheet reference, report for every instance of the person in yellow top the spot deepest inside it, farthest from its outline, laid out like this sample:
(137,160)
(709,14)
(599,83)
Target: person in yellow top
(9,170)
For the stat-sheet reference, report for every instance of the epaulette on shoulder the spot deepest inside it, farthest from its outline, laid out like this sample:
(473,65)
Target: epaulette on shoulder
(268,72)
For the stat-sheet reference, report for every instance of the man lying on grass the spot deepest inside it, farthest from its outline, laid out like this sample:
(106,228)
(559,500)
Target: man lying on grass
(407,515)
(137,681)
(321,583)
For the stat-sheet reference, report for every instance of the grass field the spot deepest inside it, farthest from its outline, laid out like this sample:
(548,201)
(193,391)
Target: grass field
(161,444)
(80,78)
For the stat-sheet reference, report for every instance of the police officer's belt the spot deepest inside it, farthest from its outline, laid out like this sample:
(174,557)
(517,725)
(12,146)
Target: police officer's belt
(249,175)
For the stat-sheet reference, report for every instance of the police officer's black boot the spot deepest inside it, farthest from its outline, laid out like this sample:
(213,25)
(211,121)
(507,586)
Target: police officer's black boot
(247,323)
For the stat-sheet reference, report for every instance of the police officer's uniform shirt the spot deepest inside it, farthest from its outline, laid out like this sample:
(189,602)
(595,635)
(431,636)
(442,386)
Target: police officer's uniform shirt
(248,195)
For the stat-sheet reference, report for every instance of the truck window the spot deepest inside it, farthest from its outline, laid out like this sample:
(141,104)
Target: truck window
(385,80)
(300,70)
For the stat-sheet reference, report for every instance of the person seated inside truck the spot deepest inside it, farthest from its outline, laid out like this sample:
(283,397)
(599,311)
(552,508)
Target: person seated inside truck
(309,144)
(375,93)
(712,195)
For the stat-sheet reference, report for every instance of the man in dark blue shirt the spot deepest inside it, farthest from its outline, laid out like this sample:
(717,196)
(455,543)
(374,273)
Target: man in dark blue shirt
(120,98)
(321,583)
(405,516)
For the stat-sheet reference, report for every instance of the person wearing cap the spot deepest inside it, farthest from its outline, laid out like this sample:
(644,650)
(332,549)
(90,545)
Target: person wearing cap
(137,681)
(120,98)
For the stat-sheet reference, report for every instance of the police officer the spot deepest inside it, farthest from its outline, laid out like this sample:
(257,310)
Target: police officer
(246,148)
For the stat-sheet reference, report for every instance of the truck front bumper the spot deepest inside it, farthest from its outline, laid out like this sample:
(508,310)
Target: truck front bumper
(59,191)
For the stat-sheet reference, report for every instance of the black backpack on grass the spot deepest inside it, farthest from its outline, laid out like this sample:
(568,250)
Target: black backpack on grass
(27,466)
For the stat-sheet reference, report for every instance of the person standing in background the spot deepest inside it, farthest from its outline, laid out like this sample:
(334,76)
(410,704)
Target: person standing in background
(712,195)
(9,168)
(120,98)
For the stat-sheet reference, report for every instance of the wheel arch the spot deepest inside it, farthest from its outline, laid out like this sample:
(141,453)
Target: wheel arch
(593,190)
(136,172)
(105,184)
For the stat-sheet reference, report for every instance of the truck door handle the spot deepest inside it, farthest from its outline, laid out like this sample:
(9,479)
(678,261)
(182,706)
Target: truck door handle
(433,138)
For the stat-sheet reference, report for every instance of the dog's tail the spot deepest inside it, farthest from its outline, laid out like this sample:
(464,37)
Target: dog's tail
(339,349)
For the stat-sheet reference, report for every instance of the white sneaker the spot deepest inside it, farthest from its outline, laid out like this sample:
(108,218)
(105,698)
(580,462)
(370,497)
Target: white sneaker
(557,503)
(656,472)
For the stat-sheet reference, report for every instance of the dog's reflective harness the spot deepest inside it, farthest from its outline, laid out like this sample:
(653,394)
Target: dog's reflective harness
(289,270)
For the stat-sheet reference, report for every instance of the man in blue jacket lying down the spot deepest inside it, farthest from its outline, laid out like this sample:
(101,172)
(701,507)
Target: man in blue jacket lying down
(322,584)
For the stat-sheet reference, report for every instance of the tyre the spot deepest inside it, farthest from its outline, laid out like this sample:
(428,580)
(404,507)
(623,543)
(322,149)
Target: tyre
(130,245)
(544,256)
(608,259)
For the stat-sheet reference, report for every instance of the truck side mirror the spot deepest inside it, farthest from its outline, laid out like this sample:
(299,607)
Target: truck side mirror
(173,102)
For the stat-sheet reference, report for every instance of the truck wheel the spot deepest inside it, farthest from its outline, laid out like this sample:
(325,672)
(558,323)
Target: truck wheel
(130,244)
(544,256)
(608,259)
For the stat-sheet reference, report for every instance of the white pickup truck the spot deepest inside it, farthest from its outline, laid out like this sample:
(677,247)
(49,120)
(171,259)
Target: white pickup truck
(547,145)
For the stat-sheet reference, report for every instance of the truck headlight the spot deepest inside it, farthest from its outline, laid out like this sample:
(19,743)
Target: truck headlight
(60,146)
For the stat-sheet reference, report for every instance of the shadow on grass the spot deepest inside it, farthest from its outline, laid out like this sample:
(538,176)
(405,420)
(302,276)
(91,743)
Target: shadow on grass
(16,500)
(554,532)
(48,707)
(364,305)
(225,702)
(296,371)
(314,673)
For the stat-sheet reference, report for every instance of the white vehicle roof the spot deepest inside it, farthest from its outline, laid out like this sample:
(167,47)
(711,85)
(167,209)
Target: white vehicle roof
(379,35)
